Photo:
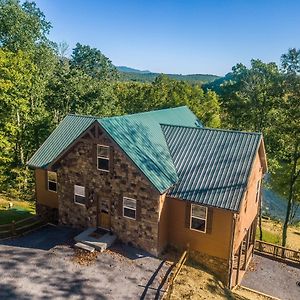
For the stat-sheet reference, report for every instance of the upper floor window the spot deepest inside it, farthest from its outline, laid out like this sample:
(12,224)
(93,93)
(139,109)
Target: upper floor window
(258,190)
(52,181)
(79,194)
(103,158)
(129,208)
(198,217)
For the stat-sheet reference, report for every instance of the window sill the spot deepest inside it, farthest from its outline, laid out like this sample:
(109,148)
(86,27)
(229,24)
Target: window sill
(198,230)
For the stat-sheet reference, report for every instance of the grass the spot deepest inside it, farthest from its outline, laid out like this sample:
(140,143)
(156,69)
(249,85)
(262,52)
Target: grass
(272,233)
(20,210)
(269,237)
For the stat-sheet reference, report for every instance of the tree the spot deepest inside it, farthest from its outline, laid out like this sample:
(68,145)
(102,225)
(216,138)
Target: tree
(164,92)
(92,62)
(250,98)
(16,71)
(21,26)
(290,131)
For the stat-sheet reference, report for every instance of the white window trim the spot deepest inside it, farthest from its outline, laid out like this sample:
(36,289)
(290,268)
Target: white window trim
(78,195)
(105,146)
(51,181)
(124,206)
(198,218)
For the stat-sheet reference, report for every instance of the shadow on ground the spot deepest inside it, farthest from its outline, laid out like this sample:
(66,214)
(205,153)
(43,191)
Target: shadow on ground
(44,238)
(41,265)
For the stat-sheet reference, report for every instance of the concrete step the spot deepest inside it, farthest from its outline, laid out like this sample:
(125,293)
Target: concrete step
(100,243)
(84,247)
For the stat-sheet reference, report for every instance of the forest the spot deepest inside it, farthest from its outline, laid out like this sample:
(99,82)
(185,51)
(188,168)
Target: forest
(40,84)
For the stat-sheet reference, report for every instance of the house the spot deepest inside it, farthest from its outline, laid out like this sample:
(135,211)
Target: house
(155,179)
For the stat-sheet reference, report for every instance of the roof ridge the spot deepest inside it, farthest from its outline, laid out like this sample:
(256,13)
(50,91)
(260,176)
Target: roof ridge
(147,112)
(213,129)
(126,115)
(83,116)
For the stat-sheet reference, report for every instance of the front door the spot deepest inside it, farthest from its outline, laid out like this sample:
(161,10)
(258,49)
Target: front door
(104,219)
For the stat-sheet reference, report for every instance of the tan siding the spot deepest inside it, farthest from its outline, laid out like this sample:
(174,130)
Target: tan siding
(43,196)
(163,223)
(216,243)
(249,207)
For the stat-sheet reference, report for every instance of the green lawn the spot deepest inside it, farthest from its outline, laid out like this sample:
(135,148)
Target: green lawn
(20,210)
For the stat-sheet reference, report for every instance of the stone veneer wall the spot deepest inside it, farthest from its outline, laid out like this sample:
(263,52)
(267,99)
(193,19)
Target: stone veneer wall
(216,265)
(44,211)
(78,166)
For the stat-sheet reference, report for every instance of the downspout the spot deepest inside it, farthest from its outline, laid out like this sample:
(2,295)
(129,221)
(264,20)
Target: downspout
(231,256)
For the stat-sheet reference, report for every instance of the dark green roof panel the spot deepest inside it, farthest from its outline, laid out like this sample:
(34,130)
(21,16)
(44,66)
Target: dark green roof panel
(213,165)
(70,128)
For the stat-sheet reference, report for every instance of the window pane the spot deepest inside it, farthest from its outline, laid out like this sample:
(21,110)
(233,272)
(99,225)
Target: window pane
(103,164)
(79,199)
(131,203)
(79,190)
(130,213)
(52,186)
(52,176)
(103,151)
(198,224)
(198,211)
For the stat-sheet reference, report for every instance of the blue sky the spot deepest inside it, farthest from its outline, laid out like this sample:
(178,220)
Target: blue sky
(178,36)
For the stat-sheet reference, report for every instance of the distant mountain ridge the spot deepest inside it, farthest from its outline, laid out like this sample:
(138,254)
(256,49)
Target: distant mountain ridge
(131,70)
(131,74)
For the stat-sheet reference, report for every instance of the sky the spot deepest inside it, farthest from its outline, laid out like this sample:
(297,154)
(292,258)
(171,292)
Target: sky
(178,36)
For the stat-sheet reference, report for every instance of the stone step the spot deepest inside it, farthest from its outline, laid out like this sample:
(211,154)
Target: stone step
(84,247)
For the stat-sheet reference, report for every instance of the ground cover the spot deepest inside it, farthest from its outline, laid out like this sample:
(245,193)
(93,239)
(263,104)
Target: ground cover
(19,210)
(272,231)
(196,282)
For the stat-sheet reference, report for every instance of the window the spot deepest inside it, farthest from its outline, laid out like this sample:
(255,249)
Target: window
(129,208)
(52,181)
(103,158)
(79,194)
(198,217)
(258,190)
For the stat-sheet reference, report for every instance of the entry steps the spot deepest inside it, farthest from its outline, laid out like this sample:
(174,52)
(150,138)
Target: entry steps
(84,247)
(93,239)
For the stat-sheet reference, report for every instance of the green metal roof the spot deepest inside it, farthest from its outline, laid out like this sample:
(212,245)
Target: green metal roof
(64,135)
(139,135)
(213,165)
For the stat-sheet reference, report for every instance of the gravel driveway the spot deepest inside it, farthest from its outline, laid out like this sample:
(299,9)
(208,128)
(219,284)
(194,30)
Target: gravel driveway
(40,266)
(272,277)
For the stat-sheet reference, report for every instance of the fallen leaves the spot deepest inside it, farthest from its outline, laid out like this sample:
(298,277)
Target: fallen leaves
(83,257)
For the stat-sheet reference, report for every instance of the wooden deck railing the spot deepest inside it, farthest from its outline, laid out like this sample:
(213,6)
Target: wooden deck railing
(19,227)
(278,251)
(174,274)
